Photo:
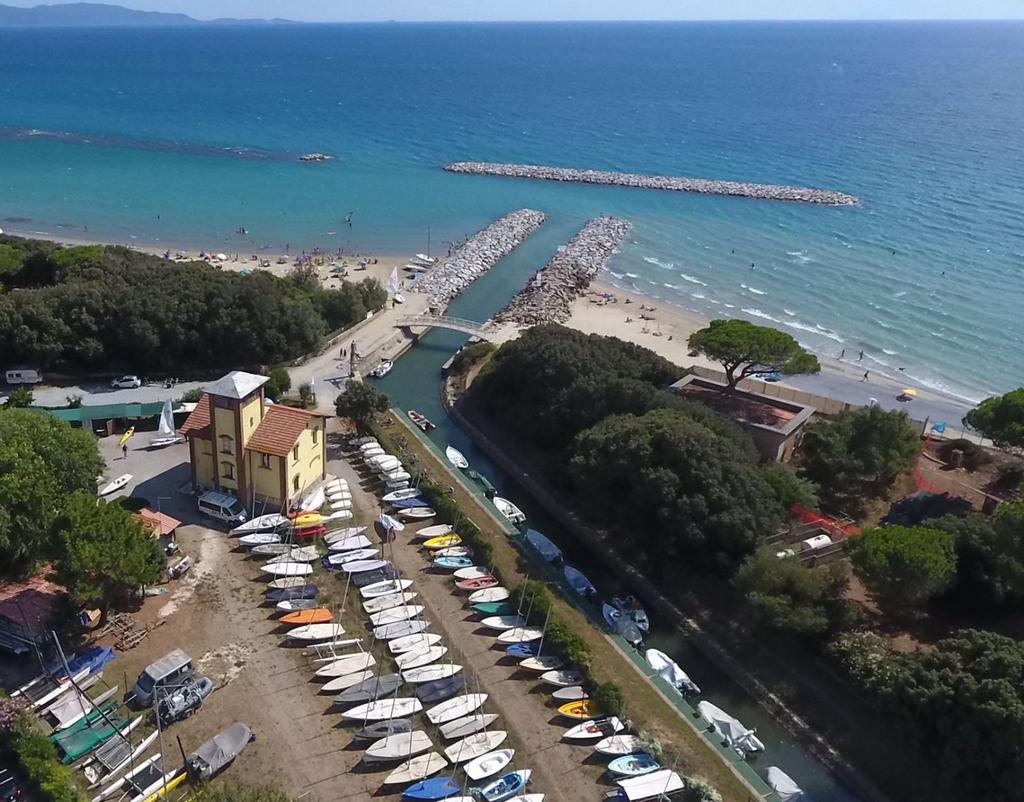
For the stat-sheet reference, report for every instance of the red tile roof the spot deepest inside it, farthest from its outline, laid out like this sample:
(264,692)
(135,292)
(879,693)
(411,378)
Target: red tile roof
(279,430)
(198,422)
(156,523)
(30,602)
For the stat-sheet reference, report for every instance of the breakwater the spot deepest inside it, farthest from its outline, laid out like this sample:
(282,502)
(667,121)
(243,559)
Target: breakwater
(548,296)
(477,255)
(703,186)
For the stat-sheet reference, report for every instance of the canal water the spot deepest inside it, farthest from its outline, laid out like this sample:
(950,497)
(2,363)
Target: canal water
(414,384)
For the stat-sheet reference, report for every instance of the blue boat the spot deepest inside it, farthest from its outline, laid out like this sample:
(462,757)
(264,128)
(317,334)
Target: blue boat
(94,659)
(439,690)
(523,650)
(633,765)
(453,563)
(434,788)
(276,595)
(408,503)
(578,582)
(548,550)
(505,787)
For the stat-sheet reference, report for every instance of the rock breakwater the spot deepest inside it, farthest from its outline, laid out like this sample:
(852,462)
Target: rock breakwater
(477,255)
(548,296)
(704,186)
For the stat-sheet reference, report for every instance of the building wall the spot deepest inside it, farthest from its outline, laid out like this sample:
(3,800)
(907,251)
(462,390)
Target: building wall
(310,464)
(252,414)
(203,465)
(266,482)
(226,425)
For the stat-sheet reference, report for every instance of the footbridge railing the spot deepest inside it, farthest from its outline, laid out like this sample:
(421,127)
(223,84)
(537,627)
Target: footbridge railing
(471,327)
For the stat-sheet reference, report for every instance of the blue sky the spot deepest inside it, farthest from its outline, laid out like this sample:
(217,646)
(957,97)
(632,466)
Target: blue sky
(375,10)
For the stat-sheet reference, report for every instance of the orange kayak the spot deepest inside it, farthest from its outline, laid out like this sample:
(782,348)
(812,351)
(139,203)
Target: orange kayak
(319,615)
(583,709)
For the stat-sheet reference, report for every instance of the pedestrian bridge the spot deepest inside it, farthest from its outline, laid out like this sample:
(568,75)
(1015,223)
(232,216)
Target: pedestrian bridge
(471,327)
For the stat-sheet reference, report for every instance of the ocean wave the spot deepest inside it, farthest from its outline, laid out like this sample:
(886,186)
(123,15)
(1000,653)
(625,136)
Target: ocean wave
(760,314)
(799,325)
(799,256)
(634,275)
(699,297)
(653,260)
(789,312)
(692,279)
(890,353)
(753,290)
(670,286)
(617,275)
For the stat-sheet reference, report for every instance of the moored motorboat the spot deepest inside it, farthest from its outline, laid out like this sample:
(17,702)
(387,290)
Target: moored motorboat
(784,785)
(631,607)
(548,550)
(621,624)
(732,732)
(579,582)
(509,510)
(456,458)
(421,420)
(670,671)
(382,369)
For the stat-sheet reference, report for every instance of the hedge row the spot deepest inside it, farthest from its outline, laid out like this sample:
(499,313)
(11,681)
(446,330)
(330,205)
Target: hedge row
(38,756)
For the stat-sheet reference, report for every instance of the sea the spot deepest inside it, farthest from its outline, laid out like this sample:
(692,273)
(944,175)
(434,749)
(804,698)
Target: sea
(183,136)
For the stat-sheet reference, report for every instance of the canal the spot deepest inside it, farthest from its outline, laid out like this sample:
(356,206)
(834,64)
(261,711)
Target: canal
(414,384)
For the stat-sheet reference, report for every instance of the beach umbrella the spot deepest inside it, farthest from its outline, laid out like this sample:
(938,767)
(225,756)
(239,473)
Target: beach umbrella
(910,391)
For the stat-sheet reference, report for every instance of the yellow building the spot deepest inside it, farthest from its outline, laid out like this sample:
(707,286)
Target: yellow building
(264,454)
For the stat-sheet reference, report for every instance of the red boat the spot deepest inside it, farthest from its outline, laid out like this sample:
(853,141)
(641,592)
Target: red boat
(308,532)
(477,583)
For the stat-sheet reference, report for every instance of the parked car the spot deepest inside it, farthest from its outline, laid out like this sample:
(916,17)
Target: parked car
(183,701)
(126,382)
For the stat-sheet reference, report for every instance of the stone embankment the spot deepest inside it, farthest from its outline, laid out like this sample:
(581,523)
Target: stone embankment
(703,186)
(477,255)
(548,296)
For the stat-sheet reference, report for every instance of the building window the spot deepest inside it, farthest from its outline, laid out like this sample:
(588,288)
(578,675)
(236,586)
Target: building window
(227,444)
(295,452)
(295,483)
(227,470)
(264,460)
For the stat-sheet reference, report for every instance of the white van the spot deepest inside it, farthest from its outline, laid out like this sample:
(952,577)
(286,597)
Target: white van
(168,672)
(24,376)
(222,507)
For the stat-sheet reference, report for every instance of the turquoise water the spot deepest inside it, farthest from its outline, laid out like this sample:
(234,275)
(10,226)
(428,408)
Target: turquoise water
(183,135)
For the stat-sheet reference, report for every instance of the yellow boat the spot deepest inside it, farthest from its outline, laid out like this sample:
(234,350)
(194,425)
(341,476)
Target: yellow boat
(581,710)
(308,519)
(170,786)
(442,542)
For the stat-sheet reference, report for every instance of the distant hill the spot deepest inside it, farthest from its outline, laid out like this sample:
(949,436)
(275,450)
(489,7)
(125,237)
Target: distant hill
(96,14)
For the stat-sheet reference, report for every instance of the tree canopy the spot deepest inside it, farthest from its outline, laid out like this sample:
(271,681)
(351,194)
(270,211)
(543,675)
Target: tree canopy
(95,308)
(989,556)
(858,455)
(360,402)
(106,552)
(42,461)
(743,349)
(905,566)
(1000,418)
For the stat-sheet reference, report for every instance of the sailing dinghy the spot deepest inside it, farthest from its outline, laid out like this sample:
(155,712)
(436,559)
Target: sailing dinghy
(380,603)
(594,730)
(473,746)
(316,632)
(467,725)
(262,523)
(395,614)
(385,588)
(456,708)
(402,746)
(287,569)
(417,770)
(166,434)
(398,707)
(431,673)
(423,657)
(413,643)
(344,666)
(428,532)
(399,629)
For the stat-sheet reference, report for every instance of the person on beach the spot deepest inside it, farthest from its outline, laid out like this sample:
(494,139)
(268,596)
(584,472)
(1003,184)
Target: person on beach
(124,451)
(866,372)
(842,353)
(861,357)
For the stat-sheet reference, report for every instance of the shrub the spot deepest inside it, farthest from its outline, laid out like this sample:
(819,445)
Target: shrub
(191,396)
(471,355)
(974,456)
(278,383)
(38,756)
(609,699)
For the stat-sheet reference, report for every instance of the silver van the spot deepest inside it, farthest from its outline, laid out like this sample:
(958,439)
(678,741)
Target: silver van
(167,672)
(222,507)
(23,376)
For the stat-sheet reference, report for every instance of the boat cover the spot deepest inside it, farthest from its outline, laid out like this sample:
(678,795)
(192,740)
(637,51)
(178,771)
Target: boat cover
(302,592)
(784,785)
(548,550)
(439,689)
(651,786)
(94,659)
(220,750)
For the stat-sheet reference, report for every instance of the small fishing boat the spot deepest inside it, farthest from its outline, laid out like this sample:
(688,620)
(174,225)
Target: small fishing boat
(732,732)
(118,484)
(398,747)
(509,510)
(262,523)
(413,643)
(503,622)
(456,458)
(633,765)
(473,572)
(417,513)
(362,566)
(670,671)
(456,708)
(615,745)
(439,689)
(631,607)
(349,544)
(520,635)
(382,369)
(288,583)
(570,694)
(219,751)
(402,495)
(494,608)
(475,745)
(443,542)
(505,787)
(548,550)
(380,603)
(385,588)
(579,582)
(784,785)
(487,595)
(340,558)
(433,789)
(398,707)
(489,764)
(400,629)
(258,539)
(395,614)
(542,664)
(563,679)
(420,657)
(382,729)
(477,583)
(421,420)
(621,624)
(428,532)
(581,710)
(467,725)
(342,666)
(316,632)
(316,615)
(287,569)
(416,771)
(451,563)
(594,730)
(431,673)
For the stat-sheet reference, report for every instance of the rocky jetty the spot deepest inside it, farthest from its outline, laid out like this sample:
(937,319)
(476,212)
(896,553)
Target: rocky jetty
(477,255)
(548,296)
(661,182)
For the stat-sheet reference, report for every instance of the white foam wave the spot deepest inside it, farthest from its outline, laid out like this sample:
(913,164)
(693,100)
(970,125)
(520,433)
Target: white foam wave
(799,325)
(617,275)
(652,260)
(632,275)
(789,312)
(697,295)
(762,315)
(692,279)
(756,291)
(670,286)
(890,353)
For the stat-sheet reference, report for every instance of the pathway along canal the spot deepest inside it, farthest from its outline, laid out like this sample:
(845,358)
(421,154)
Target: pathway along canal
(414,384)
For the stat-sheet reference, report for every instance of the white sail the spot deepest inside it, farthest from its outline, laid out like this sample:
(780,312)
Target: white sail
(166,419)
(392,285)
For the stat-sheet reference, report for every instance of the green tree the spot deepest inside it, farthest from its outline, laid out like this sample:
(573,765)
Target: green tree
(609,699)
(21,398)
(1001,419)
(10,261)
(905,566)
(360,402)
(42,460)
(859,455)
(306,395)
(193,396)
(233,792)
(107,553)
(790,489)
(744,349)
(989,556)
(279,382)
(785,595)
